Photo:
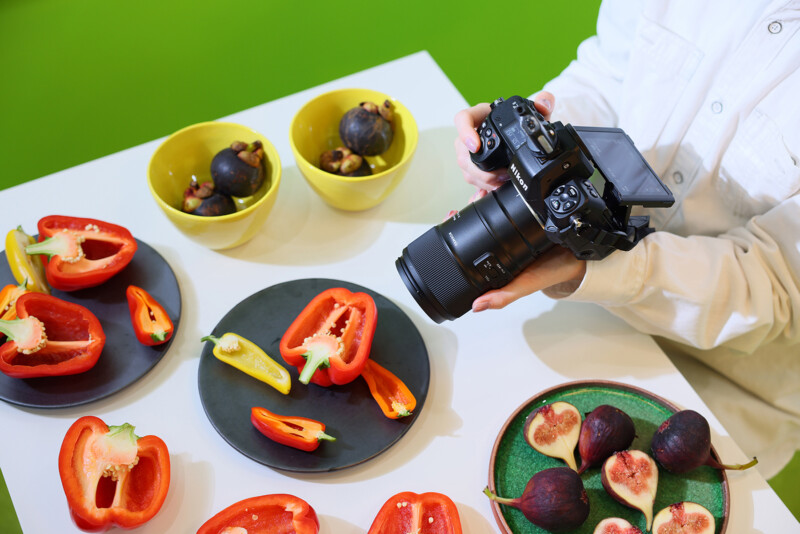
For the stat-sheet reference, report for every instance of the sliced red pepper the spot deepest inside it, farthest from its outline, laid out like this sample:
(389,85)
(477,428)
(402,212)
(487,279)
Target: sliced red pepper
(111,476)
(82,252)
(298,432)
(329,342)
(151,323)
(275,513)
(8,300)
(426,513)
(391,393)
(69,341)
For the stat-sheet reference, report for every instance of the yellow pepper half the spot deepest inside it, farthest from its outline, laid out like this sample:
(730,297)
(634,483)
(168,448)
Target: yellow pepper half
(23,266)
(248,357)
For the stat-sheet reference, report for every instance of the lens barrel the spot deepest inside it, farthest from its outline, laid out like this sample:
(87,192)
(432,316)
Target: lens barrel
(483,247)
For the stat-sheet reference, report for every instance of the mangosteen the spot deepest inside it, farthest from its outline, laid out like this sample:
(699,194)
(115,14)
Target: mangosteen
(366,130)
(202,199)
(344,162)
(239,169)
(554,499)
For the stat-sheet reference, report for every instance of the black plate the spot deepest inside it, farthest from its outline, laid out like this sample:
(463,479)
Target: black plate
(124,360)
(351,414)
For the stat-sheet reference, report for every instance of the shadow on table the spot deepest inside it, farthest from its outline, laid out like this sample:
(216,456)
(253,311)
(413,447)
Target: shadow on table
(578,340)
(303,230)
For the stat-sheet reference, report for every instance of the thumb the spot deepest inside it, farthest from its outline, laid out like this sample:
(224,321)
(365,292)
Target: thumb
(544,102)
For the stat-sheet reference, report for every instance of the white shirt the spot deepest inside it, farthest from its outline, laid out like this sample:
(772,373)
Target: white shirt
(710,93)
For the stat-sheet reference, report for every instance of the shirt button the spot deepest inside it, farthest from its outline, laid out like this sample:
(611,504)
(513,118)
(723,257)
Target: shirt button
(677,177)
(716,106)
(775,27)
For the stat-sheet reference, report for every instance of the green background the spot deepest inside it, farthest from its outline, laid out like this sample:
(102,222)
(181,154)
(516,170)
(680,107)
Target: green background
(80,79)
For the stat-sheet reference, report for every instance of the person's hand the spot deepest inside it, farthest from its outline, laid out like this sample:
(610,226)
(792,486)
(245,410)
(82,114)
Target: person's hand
(468,141)
(556,266)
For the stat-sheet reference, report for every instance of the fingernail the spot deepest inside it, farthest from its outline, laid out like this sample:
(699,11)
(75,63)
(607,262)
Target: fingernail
(479,306)
(547,104)
(450,214)
(472,146)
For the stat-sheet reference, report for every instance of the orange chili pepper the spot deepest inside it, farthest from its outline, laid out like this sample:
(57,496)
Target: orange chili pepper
(150,321)
(393,396)
(8,300)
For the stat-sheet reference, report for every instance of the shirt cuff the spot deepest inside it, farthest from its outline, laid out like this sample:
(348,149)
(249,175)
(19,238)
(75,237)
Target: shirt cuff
(612,281)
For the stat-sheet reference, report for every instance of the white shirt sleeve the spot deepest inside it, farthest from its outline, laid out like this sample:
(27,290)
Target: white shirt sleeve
(736,290)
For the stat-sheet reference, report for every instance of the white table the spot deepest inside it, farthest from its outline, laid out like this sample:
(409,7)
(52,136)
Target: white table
(472,389)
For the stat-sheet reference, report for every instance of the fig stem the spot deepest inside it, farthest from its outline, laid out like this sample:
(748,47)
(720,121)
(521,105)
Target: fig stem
(501,500)
(736,467)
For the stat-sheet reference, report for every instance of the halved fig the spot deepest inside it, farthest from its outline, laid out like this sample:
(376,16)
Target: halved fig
(631,477)
(615,525)
(684,518)
(553,430)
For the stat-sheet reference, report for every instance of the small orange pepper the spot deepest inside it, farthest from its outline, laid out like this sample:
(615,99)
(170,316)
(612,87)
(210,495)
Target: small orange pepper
(392,395)
(8,300)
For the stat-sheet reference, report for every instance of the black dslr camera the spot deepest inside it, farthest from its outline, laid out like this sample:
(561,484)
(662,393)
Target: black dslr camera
(569,185)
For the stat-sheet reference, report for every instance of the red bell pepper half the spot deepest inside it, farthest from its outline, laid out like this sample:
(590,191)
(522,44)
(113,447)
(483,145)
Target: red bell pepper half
(330,341)
(82,252)
(111,476)
(268,514)
(51,337)
(151,323)
(298,432)
(426,513)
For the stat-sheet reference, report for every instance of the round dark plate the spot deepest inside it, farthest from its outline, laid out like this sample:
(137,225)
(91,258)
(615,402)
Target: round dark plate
(514,462)
(350,413)
(124,360)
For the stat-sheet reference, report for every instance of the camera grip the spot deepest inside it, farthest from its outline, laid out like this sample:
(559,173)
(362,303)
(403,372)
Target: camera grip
(491,155)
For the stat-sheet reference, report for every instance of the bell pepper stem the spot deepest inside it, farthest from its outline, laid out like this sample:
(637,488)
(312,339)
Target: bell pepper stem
(159,336)
(326,437)
(27,332)
(65,244)
(319,349)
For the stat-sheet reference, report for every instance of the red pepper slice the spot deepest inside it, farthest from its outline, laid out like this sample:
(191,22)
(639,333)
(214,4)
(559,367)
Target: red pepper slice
(82,252)
(329,342)
(71,342)
(151,323)
(426,513)
(275,513)
(391,393)
(111,476)
(298,432)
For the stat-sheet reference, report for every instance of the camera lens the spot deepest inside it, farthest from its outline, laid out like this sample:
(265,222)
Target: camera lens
(483,247)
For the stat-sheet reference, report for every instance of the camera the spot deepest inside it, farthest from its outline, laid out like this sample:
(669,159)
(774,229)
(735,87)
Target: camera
(572,186)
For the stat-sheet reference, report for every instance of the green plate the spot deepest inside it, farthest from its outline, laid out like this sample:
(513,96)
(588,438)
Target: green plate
(514,462)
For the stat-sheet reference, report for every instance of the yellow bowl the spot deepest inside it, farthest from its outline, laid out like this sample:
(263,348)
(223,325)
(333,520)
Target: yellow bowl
(315,129)
(188,153)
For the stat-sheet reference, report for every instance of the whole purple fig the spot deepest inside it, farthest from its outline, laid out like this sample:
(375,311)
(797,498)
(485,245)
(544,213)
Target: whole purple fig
(554,499)
(605,430)
(683,443)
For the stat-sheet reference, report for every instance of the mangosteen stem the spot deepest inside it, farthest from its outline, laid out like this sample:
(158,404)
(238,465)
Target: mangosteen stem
(736,467)
(501,500)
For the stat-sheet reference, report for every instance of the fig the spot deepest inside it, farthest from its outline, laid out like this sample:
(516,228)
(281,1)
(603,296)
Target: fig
(365,129)
(684,518)
(344,162)
(631,477)
(238,170)
(202,199)
(683,443)
(554,499)
(615,525)
(605,430)
(553,430)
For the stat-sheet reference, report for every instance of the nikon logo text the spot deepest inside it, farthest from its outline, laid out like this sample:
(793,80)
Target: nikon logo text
(515,172)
